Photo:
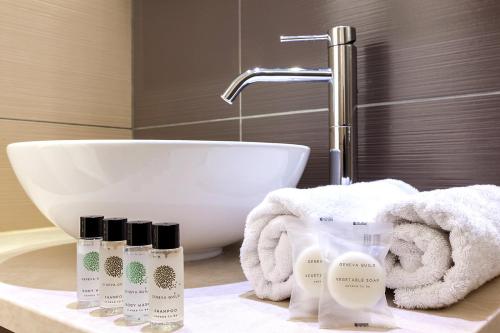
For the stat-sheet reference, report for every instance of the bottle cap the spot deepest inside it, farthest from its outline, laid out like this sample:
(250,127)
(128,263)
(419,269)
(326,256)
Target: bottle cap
(166,236)
(138,233)
(113,229)
(91,226)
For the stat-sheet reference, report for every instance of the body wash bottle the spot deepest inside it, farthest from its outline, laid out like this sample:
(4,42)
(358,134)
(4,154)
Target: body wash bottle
(88,261)
(136,258)
(111,266)
(166,278)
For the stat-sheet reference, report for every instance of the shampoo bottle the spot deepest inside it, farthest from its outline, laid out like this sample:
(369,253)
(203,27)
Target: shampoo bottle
(111,266)
(166,278)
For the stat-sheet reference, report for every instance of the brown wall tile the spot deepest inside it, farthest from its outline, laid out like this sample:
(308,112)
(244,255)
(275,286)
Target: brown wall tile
(310,129)
(17,211)
(219,131)
(433,144)
(185,54)
(406,49)
(66,61)
(65,74)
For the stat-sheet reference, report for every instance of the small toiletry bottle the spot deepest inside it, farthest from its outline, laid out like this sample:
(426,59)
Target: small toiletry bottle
(166,278)
(111,266)
(136,260)
(87,263)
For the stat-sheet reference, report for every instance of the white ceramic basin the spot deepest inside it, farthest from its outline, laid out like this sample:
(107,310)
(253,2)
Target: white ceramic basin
(207,187)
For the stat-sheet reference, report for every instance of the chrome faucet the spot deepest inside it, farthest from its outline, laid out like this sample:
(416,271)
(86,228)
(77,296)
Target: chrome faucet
(342,95)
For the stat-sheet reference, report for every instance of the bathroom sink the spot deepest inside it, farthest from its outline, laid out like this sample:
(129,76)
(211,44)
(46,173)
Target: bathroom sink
(207,186)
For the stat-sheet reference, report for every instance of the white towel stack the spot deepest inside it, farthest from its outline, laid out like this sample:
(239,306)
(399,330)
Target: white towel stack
(266,254)
(446,244)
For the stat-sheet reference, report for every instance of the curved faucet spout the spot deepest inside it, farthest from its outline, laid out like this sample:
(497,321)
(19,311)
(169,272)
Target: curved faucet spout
(274,75)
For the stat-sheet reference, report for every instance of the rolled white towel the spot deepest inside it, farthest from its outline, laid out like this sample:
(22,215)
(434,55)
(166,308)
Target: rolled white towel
(446,244)
(265,252)
(419,255)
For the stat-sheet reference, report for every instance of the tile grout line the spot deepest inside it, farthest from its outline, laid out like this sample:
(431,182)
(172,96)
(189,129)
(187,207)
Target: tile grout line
(429,99)
(186,123)
(63,123)
(240,102)
(286,113)
(132,70)
(277,114)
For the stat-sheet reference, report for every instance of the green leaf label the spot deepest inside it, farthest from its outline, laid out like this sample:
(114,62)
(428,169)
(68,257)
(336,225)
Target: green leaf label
(91,261)
(136,272)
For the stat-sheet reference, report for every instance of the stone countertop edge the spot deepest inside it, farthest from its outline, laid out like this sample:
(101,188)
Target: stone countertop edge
(37,294)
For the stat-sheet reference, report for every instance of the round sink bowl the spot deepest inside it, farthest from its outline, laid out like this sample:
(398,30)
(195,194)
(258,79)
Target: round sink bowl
(208,187)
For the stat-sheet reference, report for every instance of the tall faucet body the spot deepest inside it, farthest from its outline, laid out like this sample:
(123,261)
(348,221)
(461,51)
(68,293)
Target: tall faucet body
(342,95)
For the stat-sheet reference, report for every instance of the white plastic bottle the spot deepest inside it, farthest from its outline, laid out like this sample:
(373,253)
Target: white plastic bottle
(135,281)
(87,261)
(111,266)
(166,278)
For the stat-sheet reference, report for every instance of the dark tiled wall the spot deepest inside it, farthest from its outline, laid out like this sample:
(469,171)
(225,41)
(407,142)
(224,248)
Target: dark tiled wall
(185,52)
(428,79)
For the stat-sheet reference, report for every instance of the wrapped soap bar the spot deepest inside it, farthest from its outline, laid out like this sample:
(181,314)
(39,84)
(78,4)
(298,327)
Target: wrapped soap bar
(354,281)
(307,270)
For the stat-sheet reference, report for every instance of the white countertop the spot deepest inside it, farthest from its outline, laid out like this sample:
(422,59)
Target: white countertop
(37,295)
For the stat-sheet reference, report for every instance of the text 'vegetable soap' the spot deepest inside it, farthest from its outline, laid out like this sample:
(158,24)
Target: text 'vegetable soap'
(356,280)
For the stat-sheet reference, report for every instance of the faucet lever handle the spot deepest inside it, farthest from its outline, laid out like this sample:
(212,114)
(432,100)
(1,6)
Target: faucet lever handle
(303,38)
